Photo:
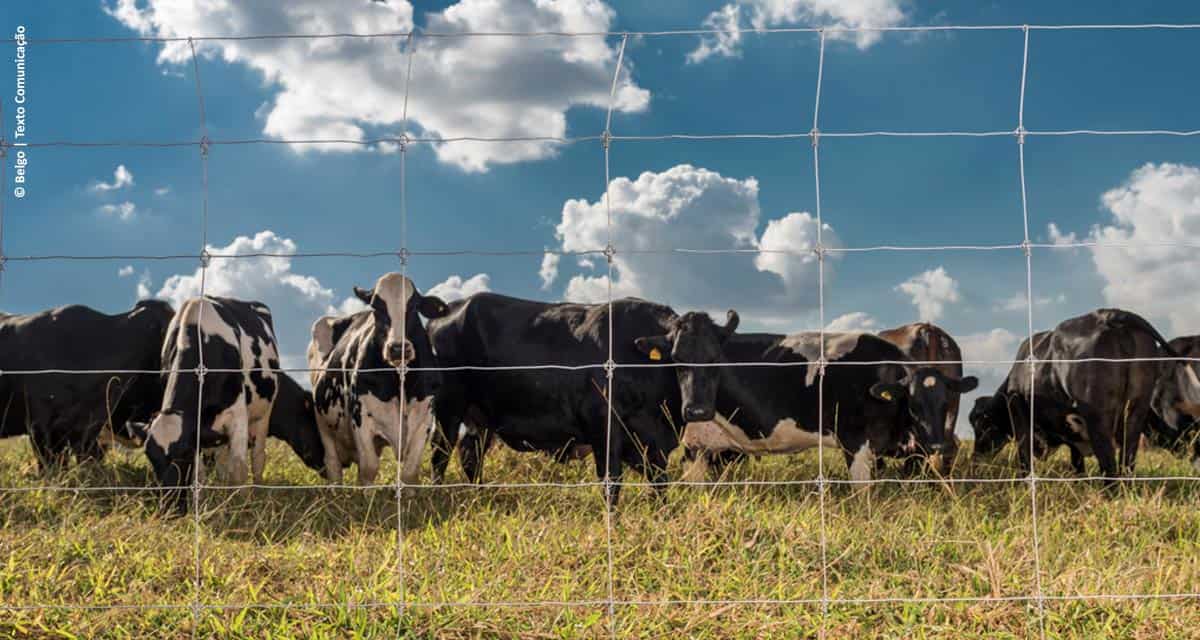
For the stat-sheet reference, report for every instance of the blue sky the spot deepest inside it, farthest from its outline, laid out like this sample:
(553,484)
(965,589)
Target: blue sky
(673,194)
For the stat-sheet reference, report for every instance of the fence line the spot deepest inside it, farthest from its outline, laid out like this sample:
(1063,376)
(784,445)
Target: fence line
(608,483)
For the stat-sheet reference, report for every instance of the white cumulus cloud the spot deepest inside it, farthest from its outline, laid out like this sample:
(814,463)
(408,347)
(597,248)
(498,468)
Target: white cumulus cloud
(354,88)
(931,291)
(122,178)
(123,211)
(456,288)
(295,299)
(1157,205)
(763,14)
(125,271)
(854,321)
(687,207)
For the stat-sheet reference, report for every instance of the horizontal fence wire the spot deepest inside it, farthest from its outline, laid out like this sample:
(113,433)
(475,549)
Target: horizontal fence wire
(603,365)
(607,138)
(371,142)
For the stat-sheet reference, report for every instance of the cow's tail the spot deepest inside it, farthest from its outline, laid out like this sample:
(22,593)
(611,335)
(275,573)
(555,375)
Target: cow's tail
(1134,321)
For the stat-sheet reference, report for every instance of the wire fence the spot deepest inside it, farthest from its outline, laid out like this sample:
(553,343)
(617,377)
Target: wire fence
(404,143)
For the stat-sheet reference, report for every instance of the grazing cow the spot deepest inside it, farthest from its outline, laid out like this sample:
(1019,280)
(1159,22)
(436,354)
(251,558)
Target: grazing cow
(1176,400)
(67,413)
(925,342)
(234,405)
(559,411)
(1093,407)
(355,362)
(777,409)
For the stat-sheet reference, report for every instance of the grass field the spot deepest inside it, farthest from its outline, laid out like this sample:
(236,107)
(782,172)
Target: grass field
(330,556)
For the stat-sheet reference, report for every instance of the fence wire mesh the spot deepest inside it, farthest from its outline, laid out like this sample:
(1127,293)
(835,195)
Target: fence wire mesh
(606,139)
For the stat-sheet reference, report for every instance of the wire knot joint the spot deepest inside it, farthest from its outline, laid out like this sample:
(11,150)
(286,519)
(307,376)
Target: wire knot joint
(403,256)
(1020,132)
(205,143)
(205,258)
(606,139)
(609,368)
(609,252)
(815,136)
(1026,248)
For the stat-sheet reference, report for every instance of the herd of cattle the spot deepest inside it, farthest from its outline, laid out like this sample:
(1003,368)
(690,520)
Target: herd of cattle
(533,375)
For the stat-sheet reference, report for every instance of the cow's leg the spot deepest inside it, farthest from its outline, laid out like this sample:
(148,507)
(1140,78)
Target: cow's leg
(1131,436)
(860,456)
(1077,462)
(607,456)
(235,421)
(449,412)
(258,446)
(368,455)
(1100,434)
(1196,454)
(333,459)
(652,464)
(471,449)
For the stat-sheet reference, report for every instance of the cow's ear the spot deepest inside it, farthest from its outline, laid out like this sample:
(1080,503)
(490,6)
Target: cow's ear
(432,307)
(963,385)
(888,391)
(731,322)
(364,295)
(654,347)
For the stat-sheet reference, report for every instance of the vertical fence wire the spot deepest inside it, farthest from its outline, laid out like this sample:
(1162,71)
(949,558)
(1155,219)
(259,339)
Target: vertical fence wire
(404,256)
(197,602)
(815,135)
(1039,594)
(610,491)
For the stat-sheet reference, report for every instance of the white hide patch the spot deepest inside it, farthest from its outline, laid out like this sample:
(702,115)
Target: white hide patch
(720,434)
(166,429)
(862,464)
(808,345)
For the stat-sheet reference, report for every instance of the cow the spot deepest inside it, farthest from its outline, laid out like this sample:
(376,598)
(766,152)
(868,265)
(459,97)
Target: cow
(1176,400)
(1080,398)
(562,411)
(355,364)
(117,384)
(928,343)
(778,407)
(240,399)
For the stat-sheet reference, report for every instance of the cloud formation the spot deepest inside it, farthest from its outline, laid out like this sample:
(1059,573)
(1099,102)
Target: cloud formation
(122,178)
(456,288)
(1159,204)
(354,88)
(763,14)
(687,207)
(931,291)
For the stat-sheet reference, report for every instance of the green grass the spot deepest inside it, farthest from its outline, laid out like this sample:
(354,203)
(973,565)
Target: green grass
(331,556)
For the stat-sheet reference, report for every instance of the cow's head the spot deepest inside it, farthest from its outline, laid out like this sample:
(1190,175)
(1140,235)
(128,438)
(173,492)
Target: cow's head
(294,420)
(1176,401)
(397,308)
(694,339)
(171,450)
(992,423)
(927,393)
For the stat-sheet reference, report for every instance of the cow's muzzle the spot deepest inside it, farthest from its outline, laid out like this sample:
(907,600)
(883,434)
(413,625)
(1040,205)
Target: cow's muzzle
(397,353)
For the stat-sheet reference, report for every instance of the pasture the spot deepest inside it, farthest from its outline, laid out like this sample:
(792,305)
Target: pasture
(315,562)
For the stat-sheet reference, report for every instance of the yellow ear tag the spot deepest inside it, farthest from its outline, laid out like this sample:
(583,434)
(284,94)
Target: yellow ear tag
(886,395)
(655,354)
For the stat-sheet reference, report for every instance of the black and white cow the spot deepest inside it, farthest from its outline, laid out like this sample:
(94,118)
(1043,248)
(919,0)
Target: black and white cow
(944,381)
(66,413)
(1080,398)
(556,411)
(1176,400)
(776,409)
(243,397)
(355,362)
